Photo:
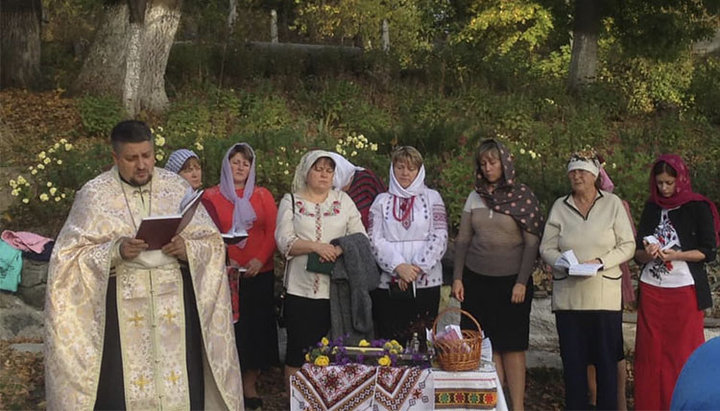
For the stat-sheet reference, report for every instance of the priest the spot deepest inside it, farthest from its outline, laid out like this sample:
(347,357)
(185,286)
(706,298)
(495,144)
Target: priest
(128,327)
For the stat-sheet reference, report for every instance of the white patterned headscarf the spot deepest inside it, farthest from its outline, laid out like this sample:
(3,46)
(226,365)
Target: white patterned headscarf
(299,184)
(414,189)
(243,213)
(344,171)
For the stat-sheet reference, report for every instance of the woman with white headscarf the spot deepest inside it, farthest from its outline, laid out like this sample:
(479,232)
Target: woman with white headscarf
(588,309)
(361,184)
(308,219)
(408,232)
(238,206)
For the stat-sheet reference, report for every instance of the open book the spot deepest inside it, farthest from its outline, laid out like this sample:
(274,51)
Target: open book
(569,260)
(159,230)
(234,236)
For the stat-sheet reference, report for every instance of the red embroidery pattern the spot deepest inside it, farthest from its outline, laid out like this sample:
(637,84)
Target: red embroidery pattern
(318,237)
(439,217)
(406,209)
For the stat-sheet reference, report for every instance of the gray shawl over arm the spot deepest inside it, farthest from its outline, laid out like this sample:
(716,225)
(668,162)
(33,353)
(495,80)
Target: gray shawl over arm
(355,274)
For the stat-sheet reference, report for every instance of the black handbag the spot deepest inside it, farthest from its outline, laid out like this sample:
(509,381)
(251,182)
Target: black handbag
(280,308)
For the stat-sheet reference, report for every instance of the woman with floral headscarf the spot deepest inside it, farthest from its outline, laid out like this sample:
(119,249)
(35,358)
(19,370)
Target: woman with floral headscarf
(408,233)
(677,235)
(495,253)
(308,220)
(593,224)
(238,206)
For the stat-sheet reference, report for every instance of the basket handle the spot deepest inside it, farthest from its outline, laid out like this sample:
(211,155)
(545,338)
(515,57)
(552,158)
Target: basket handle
(454,309)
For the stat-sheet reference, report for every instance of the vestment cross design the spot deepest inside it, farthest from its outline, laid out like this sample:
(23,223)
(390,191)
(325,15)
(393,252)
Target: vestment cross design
(137,319)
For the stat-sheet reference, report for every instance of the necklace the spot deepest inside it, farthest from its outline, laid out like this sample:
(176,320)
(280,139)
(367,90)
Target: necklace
(127,204)
(405,207)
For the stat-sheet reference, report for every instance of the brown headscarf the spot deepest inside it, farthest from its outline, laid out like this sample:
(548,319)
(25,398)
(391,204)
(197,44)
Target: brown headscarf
(509,197)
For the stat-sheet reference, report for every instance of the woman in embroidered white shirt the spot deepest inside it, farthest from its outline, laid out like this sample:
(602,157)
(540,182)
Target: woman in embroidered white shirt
(408,232)
(307,221)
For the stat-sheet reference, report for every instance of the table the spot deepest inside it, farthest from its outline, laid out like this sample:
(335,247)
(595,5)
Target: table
(367,387)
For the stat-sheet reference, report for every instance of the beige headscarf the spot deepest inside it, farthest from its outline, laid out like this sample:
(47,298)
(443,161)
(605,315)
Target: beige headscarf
(303,168)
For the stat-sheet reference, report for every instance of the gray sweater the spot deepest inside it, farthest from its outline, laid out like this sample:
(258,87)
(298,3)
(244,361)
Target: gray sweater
(355,274)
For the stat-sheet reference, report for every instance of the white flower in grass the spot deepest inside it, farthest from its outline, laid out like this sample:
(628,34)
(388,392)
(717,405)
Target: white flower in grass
(44,197)
(53,190)
(25,200)
(68,146)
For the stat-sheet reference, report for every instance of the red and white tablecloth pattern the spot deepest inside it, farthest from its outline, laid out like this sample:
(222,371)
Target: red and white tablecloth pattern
(468,390)
(361,387)
(365,387)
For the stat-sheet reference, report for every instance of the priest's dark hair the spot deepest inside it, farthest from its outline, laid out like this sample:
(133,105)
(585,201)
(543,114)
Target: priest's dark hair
(129,131)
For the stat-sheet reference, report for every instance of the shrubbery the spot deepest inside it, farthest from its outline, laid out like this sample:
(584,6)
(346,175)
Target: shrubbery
(444,109)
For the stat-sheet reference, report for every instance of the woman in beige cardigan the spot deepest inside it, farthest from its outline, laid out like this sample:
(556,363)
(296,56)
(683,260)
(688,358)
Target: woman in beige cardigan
(588,310)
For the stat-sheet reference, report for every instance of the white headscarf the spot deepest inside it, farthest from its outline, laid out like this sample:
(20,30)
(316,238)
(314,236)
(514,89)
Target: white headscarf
(414,189)
(303,168)
(591,166)
(243,213)
(344,171)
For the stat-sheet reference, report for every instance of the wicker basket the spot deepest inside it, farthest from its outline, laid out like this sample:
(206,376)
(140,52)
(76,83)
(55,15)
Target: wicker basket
(462,354)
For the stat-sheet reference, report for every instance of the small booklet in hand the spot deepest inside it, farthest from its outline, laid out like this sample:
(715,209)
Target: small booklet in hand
(315,266)
(569,260)
(396,293)
(651,239)
(159,230)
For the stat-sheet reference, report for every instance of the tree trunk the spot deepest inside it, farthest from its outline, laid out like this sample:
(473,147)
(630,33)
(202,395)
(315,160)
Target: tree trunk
(19,43)
(586,30)
(128,58)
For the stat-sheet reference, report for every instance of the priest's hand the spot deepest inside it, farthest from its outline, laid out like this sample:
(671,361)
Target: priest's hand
(131,247)
(176,248)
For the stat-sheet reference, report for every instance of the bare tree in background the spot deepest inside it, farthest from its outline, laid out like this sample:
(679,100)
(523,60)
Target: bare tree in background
(129,54)
(19,42)
(586,31)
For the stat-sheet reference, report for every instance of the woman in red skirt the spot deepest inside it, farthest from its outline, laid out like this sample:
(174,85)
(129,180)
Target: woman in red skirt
(677,235)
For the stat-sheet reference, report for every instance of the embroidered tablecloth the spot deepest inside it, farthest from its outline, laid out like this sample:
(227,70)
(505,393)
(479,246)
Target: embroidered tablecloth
(361,387)
(365,387)
(469,390)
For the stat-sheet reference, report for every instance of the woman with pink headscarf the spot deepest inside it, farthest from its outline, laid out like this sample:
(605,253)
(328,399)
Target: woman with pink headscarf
(677,235)
(238,206)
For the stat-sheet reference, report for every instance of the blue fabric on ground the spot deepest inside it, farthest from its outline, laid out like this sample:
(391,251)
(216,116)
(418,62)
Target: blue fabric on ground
(697,386)
(10,267)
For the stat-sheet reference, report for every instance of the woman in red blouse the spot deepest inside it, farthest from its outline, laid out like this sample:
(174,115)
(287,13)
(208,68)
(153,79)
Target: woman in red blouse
(238,206)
